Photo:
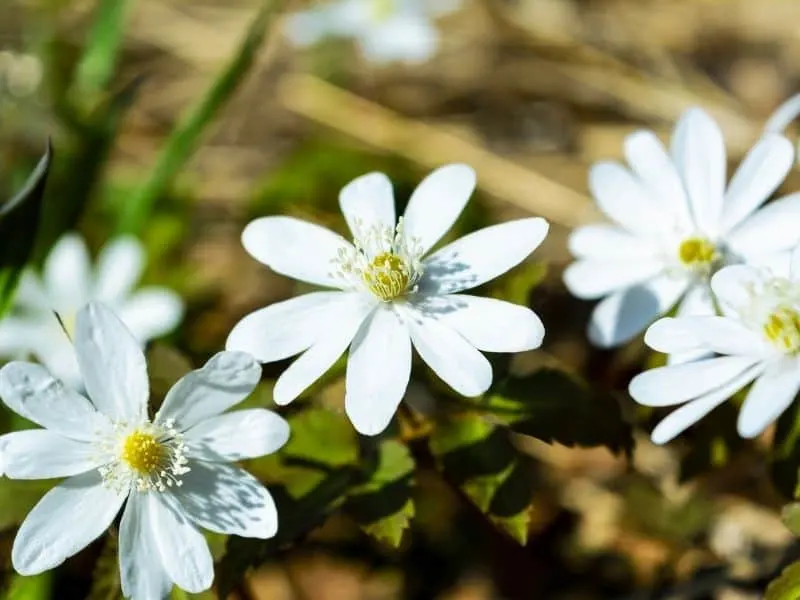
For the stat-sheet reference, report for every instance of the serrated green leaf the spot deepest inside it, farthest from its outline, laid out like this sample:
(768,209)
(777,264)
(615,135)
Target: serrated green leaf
(19,224)
(383,505)
(479,458)
(786,586)
(554,406)
(308,478)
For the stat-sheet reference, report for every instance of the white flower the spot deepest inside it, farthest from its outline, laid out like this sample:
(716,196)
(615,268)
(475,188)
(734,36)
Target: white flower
(757,338)
(675,224)
(389,295)
(174,471)
(68,282)
(386,30)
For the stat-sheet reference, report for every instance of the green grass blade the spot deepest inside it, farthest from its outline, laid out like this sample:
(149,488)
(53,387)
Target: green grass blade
(185,138)
(96,66)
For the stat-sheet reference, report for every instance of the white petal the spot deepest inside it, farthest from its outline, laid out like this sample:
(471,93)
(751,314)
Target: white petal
(794,264)
(623,199)
(774,228)
(726,335)
(367,203)
(733,287)
(237,435)
(771,394)
(665,386)
(67,274)
(141,572)
(226,499)
(42,454)
(151,313)
(784,115)
(451,357)
(687,415)
(606,241)
(66,520)
(488,324)
(671,335)
(30,391)
(294,248)
(406,38)
(225,380)
(112,364)
(761,172)
(590,279)
(696,302)
(119,267)
(31,294)
(436,203)
(287,328)
(340,330)
(20,335)
(626,313)
(481,256)
(699,153)
(184,552)
(378,370)
(650,161)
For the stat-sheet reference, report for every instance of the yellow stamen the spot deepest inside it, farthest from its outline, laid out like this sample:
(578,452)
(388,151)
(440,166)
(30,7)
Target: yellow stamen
(783,329)
(697,251)
(387,276)
(142,452)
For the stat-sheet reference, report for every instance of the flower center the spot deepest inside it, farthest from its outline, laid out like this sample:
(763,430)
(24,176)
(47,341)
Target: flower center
(148,457)
(381,10)
(387,276)
(382,261)
(782,328)
(142,452)
(697,252)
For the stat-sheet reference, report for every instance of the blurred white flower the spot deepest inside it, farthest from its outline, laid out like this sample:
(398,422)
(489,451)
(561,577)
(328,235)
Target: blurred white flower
(386,30)
(68,281)
(675,224)
(174,471)
(756,338)
(389,295)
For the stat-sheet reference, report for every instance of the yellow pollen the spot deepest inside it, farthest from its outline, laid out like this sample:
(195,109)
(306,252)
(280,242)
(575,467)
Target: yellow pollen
(387,276)
(783,329)
(697,251)
(142,452)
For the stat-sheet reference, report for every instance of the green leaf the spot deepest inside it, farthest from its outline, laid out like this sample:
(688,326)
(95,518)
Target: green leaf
(480,459)
(308,478)
(556,407)
(787,585)
(790,515)
(383,505)
(36,587)
(186,136)
(19,223)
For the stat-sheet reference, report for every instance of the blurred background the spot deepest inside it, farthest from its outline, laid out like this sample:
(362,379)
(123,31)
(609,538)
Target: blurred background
(181,120)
